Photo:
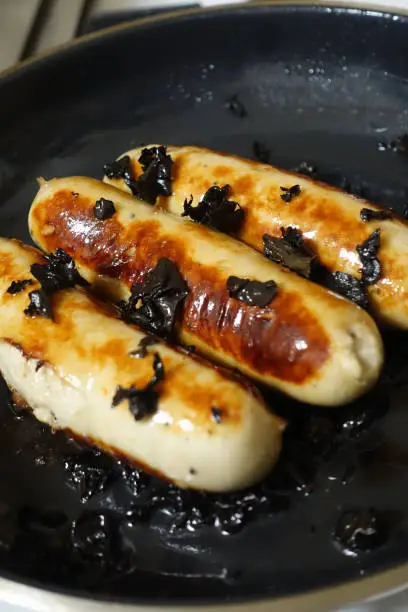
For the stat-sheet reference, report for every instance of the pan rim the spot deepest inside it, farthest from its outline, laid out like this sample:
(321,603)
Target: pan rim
(377,586)
(358,6)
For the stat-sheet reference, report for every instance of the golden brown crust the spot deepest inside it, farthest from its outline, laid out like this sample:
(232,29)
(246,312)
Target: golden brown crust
(328,218)
(270,341)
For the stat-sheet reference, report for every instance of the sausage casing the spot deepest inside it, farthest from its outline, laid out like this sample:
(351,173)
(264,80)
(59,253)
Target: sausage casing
(328,218)
(308,343)
(69,368)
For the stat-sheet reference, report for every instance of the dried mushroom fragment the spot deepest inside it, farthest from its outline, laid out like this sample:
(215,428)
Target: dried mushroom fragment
(58,273)
(18,286)
(367,214)
(253,293)
(156,303)
(104,209)
(216,210)
(142,402)
(141,351)
(156,177)
(289,193)
(290,251)
(348,286)
(39,305)
(120,168)
(368,251)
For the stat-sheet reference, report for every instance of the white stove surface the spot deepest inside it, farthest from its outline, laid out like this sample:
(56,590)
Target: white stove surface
(18,18)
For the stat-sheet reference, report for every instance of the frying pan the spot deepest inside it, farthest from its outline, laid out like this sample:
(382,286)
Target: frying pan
(324,84)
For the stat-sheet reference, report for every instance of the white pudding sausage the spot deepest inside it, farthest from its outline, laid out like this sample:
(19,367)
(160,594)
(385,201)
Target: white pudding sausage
(210,431)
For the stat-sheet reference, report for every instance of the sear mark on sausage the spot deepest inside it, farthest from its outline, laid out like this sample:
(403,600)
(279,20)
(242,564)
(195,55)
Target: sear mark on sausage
(120,168)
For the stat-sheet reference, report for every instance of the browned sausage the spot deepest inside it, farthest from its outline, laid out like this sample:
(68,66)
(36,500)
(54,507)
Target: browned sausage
(307,342)
(328,218)
(68,370)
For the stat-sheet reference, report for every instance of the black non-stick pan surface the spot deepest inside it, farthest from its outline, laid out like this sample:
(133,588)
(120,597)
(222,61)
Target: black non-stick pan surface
(327,86)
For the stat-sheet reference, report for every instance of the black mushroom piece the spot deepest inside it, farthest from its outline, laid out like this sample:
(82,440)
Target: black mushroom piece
(253,293)
(141,351)
(18,286)
(104,209)
(290,251)
(368,251)
(216,210)
(289,193)
(58,273)
(39,305)
(348,286)
(156,303)
(155,179)
(120,168)
(367,214)
(142,402)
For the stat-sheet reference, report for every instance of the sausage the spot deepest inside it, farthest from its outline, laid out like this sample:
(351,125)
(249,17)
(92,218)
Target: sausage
(328,218)
(308,343)
(209,431)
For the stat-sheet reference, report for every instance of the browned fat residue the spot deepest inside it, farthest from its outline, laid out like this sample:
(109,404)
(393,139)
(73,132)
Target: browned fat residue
(285,340)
